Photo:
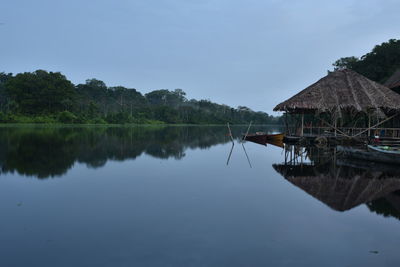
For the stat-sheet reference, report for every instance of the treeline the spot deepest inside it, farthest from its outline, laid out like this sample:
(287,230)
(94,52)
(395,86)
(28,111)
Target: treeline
(49,97)
(377,65)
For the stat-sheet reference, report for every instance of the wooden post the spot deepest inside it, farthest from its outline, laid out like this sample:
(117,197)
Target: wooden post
(302,124)
(286,124)
(248,129)
(369,124)
(335,125)
(374,126)
(230,134)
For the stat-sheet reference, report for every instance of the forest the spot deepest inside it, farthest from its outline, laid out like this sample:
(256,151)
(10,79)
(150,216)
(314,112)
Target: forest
(49,97)
(377,65)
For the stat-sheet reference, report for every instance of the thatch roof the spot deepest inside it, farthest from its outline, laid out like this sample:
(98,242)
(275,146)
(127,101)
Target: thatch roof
(342,90)
(394,80)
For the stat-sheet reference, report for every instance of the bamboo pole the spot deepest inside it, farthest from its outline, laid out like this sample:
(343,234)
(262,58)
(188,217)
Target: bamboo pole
(333,127)
(247,156)
(230,154)
(248,129)
(286,124)
(391,117)
(230,133)
(369,124)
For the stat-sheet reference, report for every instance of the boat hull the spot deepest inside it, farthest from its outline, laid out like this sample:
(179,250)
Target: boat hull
(259,139)
(370,155)
(275,137)
(264,138)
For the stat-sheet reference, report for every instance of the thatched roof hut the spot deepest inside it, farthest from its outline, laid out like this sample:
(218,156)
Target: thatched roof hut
(394,80)
(342,90)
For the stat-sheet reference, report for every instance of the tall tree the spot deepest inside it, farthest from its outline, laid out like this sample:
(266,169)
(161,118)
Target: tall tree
(377,65)
(4,98)
(41,92)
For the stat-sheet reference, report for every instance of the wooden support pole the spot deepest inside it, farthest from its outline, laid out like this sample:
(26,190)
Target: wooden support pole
(302,124)
(248,129)
(369,124)
(230,134)
(333,127)
(391,117)
(286,124)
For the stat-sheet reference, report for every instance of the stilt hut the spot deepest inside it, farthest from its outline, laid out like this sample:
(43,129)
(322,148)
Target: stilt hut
(343,103)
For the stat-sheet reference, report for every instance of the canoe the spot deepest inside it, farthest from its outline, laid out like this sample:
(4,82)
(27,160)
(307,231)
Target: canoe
(372,153)
(275,137)
(263,138)
(385,149)
(278,143)
(256,138)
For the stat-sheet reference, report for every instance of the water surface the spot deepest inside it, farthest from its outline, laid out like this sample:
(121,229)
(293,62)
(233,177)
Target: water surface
(165,196)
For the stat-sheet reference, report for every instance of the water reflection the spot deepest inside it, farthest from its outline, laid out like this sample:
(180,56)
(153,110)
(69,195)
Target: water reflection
(342,183)
(52,151)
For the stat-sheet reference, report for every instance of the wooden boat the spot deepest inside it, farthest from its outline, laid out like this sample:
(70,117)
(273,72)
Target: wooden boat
(278,143)
(383,154)
(263,138)
(386,149)
(275,137)
(259,138)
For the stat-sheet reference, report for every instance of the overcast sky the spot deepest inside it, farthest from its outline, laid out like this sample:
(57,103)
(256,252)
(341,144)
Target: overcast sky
(255,53)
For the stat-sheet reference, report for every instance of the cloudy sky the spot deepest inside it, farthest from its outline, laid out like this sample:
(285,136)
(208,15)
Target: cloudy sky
(250,52)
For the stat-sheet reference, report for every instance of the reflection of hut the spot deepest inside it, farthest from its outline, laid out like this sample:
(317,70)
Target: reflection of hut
(343,103)
(340,187)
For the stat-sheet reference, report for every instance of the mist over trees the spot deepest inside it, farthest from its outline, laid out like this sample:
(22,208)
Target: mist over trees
(49,97)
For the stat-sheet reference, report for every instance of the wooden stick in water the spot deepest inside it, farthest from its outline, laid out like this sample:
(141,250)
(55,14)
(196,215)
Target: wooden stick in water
(230,133)
(248,129)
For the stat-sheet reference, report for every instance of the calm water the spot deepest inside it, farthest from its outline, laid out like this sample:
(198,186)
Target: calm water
(166,197)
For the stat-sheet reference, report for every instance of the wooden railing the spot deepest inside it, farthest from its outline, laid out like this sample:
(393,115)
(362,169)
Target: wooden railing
(349,131)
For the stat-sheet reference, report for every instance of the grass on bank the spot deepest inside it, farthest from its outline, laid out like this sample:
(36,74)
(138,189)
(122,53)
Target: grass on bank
(69,118)
(66,117)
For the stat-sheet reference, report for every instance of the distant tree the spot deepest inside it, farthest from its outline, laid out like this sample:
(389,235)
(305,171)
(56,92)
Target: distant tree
(93,88)
(165,97)
(4,98)
(157,97)
(345,63)
(92,91)
(178,96)
(41,92)
(48,93)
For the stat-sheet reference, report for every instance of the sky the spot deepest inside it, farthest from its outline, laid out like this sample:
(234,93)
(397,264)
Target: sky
(254,53)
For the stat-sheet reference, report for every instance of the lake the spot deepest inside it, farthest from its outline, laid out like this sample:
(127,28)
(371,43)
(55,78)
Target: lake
(167,196)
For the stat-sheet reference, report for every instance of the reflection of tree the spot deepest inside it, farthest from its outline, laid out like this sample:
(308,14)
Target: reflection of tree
(38,153)
(51,151)
(388,206)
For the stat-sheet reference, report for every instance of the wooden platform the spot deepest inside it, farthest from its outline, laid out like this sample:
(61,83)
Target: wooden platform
(309,139)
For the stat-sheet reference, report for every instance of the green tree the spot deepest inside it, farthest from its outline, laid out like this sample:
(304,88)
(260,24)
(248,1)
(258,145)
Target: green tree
(345,63)
(4,98)
(41,92)
(377,65)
